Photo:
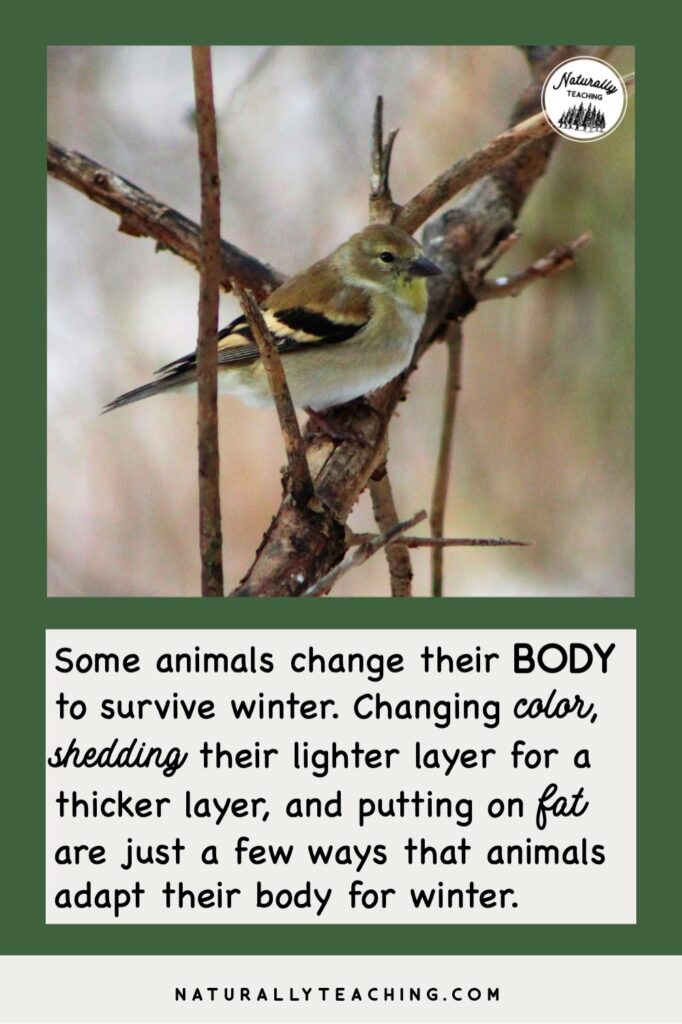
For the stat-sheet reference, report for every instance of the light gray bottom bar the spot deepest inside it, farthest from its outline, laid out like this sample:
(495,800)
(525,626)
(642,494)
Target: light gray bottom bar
(351,989)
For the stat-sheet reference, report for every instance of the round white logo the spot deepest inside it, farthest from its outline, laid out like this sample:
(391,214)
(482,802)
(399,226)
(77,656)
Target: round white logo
(584,99)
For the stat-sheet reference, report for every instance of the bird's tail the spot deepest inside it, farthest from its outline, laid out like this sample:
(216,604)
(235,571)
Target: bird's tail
(170,382)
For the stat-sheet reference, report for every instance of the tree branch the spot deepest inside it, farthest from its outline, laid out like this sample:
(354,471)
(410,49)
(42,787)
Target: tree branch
(381,205)
(363,552)
(210,529)
(512,284)
(382,209)
(143,216)
(386,515)
(441,542)
(453,339)
(300,483)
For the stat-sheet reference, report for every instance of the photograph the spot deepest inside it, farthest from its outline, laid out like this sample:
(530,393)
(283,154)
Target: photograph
(333,313)
(349,321)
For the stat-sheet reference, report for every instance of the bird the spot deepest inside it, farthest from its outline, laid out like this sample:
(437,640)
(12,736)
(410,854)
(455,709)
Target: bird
(343,327)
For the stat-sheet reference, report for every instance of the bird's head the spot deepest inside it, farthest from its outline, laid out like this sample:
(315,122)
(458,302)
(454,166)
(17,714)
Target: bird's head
(386,258)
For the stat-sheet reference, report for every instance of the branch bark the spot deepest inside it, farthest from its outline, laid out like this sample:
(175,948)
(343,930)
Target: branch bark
(299,482)
(145,217)
(513,284)
(453,338)
(210,528)
(386,515)
(381,206)
(442,542)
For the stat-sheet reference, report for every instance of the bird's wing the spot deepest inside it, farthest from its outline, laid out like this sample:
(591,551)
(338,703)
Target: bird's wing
(292,330)
(313,309)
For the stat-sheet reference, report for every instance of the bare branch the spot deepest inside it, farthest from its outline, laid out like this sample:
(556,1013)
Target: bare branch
(363,552)
(381,205)
(386,515)
(382,208)
(301,485)
(512,284)
(386,157)
(143,216)
(453,339)
(377,145)
(442,542)
(210,529)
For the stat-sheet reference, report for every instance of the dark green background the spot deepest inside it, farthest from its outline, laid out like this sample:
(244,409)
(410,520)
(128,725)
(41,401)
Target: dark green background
(27,612)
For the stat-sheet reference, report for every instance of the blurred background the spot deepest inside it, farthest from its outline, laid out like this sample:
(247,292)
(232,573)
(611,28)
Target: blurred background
(545,425)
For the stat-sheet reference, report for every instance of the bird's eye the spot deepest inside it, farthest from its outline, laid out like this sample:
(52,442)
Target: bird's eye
(386,257)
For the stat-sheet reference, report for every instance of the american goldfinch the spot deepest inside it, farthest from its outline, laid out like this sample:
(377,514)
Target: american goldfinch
(343,327)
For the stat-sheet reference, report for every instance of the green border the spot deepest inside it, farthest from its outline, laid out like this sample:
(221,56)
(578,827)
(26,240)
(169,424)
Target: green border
(28,612)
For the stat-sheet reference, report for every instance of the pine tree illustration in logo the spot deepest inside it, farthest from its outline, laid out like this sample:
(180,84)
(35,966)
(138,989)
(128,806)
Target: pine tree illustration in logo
(580,119)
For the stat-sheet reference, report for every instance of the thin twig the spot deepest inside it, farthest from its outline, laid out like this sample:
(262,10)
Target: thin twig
(386,515)
(301,484)
(145,217)
(360,555)
(453,338)
(381,205)
(442,542)
(470,168)
(511,284)
(210,530)
(377,144)
(381,208)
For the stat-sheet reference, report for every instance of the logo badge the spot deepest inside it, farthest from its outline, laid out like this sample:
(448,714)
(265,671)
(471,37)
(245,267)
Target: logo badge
(584,99)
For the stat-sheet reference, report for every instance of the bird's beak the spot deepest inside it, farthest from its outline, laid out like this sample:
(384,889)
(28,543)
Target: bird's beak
(423,267)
